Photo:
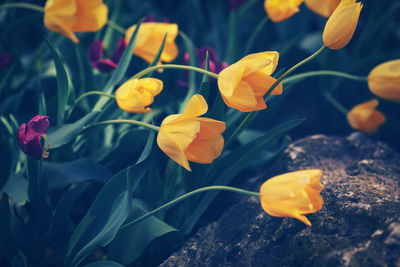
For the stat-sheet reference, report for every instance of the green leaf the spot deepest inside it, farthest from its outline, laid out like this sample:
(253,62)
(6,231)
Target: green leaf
(158,55)
(16,188)
(230,165)
(66,173)
(104,264)
(108,211)
(122,66)
(192,75)
(217,110)
(64,134)
(143,238)
(205,82)
(64,85)
(6,242)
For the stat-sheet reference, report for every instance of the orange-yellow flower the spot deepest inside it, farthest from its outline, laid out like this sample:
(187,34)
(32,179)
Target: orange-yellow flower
(322,7)
(364,117)
(243,84)
(136,95)
(341,25)
(70,16)
(150,38)
(293,194)
(384,80)
(187,137)
(279,10)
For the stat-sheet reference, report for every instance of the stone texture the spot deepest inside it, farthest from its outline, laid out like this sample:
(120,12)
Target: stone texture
(359,224)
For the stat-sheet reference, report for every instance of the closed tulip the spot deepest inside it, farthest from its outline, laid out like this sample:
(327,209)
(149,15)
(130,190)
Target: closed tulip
(322,7)
(188,137)
(293,194)
(279,10)
(150,38)
(341,25)
(384,80)
(365,118)
(30,135)
(136,95)
(70,16)
(244,83)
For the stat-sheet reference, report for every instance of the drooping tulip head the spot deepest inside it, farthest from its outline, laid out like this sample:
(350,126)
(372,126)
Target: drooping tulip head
(384,80)
(70,16)
(188,137)
(364,117)
(293,194)
(150,38)
(279,10)
(243,84)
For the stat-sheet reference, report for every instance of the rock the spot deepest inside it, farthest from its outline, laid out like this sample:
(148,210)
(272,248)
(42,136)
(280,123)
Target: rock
(359,224)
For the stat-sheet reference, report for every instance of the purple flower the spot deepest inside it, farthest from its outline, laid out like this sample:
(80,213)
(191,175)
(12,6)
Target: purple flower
(29,135)
(214,65)
(235,4)
(5,59)
(95,53)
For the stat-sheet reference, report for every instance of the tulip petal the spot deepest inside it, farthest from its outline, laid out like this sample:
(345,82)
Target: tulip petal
(204,151)
(196,106)
(90,15)
(229,78)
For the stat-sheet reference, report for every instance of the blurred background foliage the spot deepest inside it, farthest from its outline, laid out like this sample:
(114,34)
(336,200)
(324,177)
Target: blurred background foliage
(29,80)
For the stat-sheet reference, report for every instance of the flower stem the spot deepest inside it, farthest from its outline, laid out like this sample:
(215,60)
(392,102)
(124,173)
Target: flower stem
(22,5)
(304,75)
(116,27)
(295,67)
(190,194)
(174,66)
(335,103)
(138,123)
(255,33)
(82,96)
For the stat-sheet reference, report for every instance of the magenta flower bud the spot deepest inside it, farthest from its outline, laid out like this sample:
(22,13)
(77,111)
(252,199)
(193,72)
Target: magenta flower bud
(29,135)
(5,59)
(95,54)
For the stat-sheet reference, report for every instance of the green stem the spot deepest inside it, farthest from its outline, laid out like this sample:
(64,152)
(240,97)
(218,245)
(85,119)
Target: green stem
(335,103)
(255,33)
(82,96)
(190,194)
(304,75)
(22,5)
(138,123)
(174,66)
(116,27)
(295,67)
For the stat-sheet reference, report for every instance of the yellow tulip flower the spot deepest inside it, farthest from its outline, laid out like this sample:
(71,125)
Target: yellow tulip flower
(136,95)
(150,38)
(341,25)
(279,10)
(322,7)
(384,80)
(70,16)
(364,117)
(243,84)
(187,137)
(293,194)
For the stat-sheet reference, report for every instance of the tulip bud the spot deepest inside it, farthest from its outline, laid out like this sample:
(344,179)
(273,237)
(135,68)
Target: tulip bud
(341,25)
(29,136)
(365,118)
(384,80)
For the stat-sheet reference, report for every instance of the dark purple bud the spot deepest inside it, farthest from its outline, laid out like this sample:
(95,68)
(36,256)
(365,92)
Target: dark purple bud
(119,50)
(95,51)
(105,65)
(29,135)
(235,4)
(5,59)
